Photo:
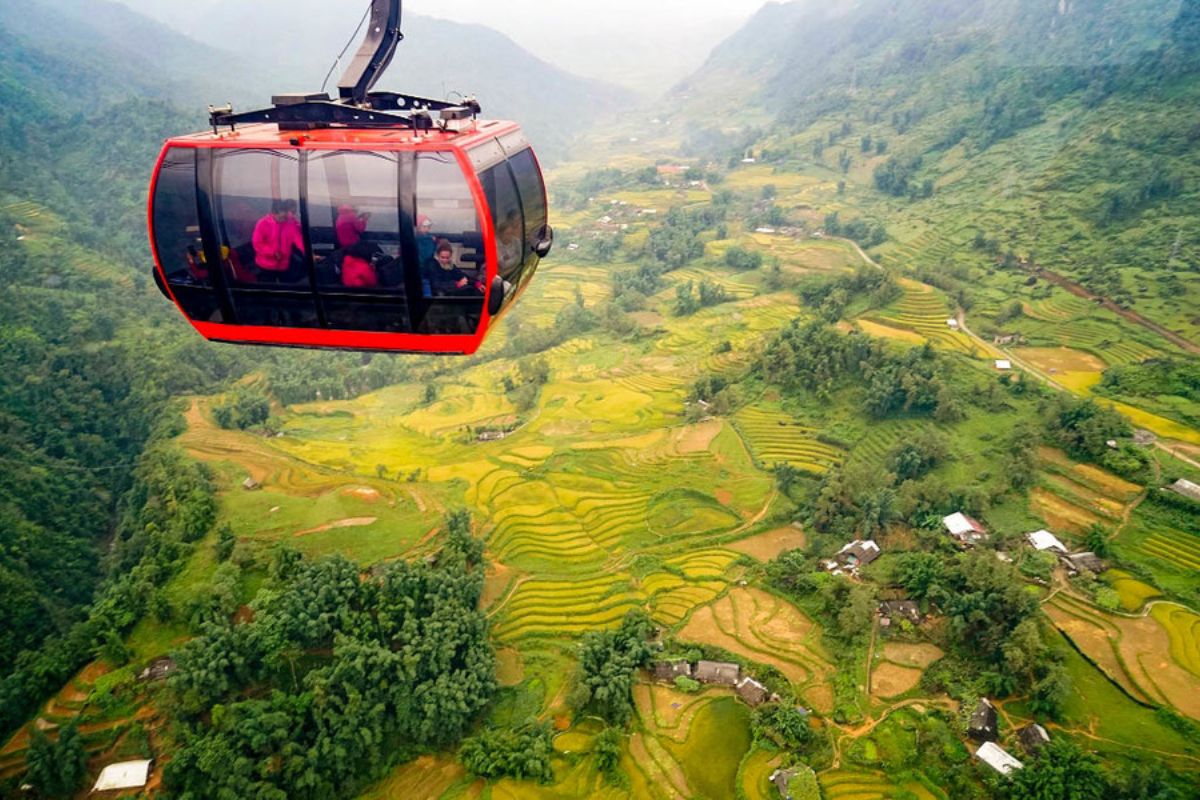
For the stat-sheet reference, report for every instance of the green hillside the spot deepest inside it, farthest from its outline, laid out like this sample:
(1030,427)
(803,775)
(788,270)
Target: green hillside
(770,332)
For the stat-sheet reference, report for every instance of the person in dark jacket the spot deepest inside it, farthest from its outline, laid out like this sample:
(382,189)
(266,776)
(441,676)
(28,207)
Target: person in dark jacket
(446,279)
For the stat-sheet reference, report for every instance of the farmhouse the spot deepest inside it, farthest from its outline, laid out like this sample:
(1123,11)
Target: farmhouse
(670,670)
(1003,364)
(857,554)
(1003,339)
(1045,540)
(125,775)
(952,324)
(1186,488)
(892,612)
(984,724)
(250,484)
(968,531)
(1032,737)
(717,672)
(158,669)
(995,757)
(1078,562)
(751,691)
(782,778)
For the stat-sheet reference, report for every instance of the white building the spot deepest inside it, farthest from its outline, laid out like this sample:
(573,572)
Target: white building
(125,775)
(1003,364)
(965,529)
(1045,540)
(997,758)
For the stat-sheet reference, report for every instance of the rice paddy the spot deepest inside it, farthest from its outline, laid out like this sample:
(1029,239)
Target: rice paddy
(924,311)
(774,437)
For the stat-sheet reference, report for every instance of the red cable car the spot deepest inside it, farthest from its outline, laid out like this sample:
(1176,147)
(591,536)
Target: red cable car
(360,223)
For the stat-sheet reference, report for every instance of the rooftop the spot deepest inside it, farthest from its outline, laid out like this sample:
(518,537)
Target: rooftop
(997,758)
(125,775)
(1045,540)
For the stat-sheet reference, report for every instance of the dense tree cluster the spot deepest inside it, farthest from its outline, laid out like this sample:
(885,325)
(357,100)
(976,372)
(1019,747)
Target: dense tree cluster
(244,408)
(817,358)
(866,233)
(607,660)
(523,753)
(830,296)
(677,240)
(58,768)
(361,672)
(170,505)
(691,297)
(1083,427)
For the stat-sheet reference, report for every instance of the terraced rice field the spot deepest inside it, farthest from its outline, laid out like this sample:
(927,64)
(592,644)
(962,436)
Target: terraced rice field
(1073,497)
(1179,548)
(1106,338)
(774,437)
(845,784)
(761,627)
(899,667)
(1153,658)
(924,310)
(1133,593)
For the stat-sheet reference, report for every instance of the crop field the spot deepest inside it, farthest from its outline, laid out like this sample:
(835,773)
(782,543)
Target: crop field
(761,627)
(1073,497)
(1132,592)
(1154,658)
(766,546)
(1075,369)
(899,667)
(847,784)
(775,437)
(1106,338)
(924,311)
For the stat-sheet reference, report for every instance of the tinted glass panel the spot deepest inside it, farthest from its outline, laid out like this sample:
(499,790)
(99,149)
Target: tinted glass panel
(450,247)
(177,236)
(505,207)
(258,222)
(354,229)
(533,201)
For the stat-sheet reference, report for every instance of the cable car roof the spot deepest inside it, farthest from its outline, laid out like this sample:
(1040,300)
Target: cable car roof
(270,136)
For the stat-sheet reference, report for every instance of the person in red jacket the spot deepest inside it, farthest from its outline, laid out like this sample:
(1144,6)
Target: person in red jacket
(279,244)
(350,225)
(358,267)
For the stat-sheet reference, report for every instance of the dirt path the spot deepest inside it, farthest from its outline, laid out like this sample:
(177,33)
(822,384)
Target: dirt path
(871,652)
(873,722)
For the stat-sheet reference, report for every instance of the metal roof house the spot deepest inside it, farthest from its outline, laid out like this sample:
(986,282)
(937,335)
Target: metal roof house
(1045,540)
(997,758)
(717,672)
(964,528)
(984,725)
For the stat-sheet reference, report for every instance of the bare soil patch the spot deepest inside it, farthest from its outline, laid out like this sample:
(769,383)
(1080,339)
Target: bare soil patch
(912,655)
(889,680)
(724,496)
(495,583)
(766,546)
(1060,514)
(352,522)
(364,493)
(696,438)
(819,698)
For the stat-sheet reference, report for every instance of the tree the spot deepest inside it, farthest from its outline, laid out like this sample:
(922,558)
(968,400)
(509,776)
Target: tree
(56,769)
(431,393)
(606,748)
(1059,771)
(785,477)
(225,542)
(607,660)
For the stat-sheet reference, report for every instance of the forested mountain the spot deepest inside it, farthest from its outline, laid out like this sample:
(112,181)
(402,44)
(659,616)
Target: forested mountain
(436,59)
(1059,132)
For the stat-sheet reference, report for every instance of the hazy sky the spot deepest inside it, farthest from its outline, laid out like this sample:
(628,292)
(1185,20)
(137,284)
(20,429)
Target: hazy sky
(644,44)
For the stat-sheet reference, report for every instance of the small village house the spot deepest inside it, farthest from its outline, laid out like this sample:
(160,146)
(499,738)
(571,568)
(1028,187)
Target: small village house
(751,691)
(670,670)
(856,554)
(1045,540)
(723,672)
(984,725)
(1187,489)
(893,612)
(782,779)
(123,776)
(1078,562)
(997,758)
(1003,364)
(966,530)
(1032,737)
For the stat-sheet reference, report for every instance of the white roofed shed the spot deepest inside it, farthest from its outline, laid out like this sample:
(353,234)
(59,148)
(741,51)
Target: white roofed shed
(997,758)
(125,775)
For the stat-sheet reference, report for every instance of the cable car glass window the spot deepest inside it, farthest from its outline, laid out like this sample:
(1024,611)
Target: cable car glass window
(354,228)
(533,201)
(450,246)
(505,206)
(258,221)
(177,236)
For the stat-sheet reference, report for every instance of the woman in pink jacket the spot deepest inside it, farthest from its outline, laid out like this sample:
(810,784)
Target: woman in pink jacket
(279,244)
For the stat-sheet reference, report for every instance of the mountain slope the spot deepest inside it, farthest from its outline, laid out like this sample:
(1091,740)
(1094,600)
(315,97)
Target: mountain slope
(1063,133)
(436,59)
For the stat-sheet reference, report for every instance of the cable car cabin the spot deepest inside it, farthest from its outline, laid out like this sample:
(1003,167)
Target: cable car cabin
(390,239)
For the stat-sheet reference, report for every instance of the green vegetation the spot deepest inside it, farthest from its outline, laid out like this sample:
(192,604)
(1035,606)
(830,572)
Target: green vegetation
(365,671)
